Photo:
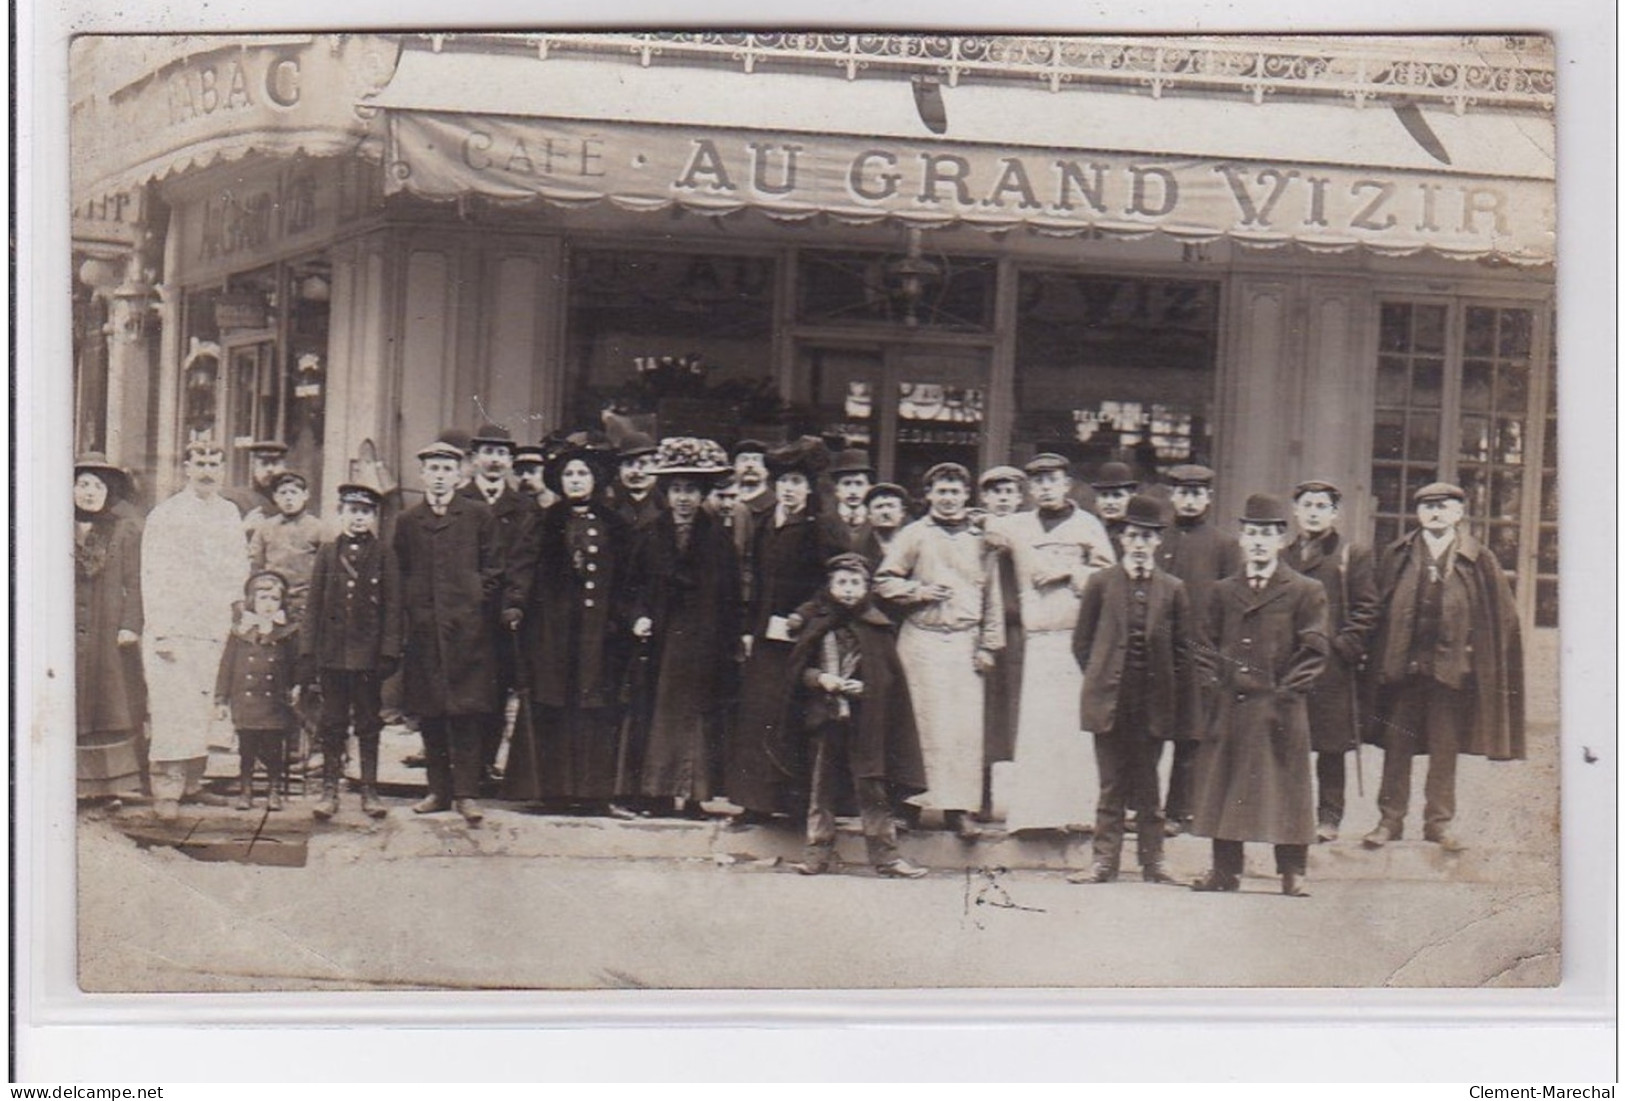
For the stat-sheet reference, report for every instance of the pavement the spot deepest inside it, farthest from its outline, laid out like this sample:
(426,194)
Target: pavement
(227,900)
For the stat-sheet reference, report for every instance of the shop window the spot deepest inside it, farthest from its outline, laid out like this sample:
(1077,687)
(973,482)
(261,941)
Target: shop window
(684,338)
(912,288)
(1455,401)
(1109,368)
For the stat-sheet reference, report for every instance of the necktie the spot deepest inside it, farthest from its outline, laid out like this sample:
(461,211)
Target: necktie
(1257,582)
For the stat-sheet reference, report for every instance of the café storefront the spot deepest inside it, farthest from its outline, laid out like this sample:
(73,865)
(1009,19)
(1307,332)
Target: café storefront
(935,270)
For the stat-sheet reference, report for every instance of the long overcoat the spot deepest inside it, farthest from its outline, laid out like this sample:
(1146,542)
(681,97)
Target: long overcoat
(107,599)
(1479,628)
(256,676)
(1253,775)
(692,599)
(576,629)
(787,569)
(1348,573)
(1200,555)
(513,513)
(1100,643)
(885,743)
(450,575)
(353,620)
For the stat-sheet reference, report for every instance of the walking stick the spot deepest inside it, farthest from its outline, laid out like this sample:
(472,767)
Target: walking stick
(1356,671)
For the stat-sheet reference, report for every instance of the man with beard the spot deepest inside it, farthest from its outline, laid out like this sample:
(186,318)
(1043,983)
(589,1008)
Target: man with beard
(529,460)
(266,462)
(193,565)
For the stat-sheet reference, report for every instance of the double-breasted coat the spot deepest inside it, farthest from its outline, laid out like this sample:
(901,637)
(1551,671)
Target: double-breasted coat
(1253,772)
(1200,555)
(1480,647)
(1100,642)
(575,600)
(106,600)
(256,676)
(787,568)
(1348,574)
(353,616)
(692,599)
(450,575)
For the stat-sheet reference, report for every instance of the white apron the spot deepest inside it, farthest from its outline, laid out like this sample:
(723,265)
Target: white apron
(947,694)
(1054,781)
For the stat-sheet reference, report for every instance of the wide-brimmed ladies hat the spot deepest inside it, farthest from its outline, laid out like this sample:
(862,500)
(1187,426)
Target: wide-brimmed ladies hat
(600,460)
(114,477)
(691,456)
(806,456)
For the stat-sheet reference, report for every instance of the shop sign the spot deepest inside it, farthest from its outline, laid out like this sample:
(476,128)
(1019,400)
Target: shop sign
(1059,192)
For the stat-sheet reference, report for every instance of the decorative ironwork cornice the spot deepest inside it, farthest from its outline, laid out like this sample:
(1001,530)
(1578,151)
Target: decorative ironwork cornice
(1461,71)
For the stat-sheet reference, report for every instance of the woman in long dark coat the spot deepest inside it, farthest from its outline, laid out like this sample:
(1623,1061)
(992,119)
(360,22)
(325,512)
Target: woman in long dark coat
(569,578)
(687,612)
(108,695)
(764,764)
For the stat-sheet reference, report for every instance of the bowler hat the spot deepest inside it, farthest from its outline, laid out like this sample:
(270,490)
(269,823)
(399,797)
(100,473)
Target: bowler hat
(1190,474)
(1049,460)
(1145,512)
(1265,508)
(634,444)
(1434,491)
(492,434)
(113,477)
(1315,485)
(352,493)
(993,475)
(458,438)
(886,489)
(1114,476)
(851,461)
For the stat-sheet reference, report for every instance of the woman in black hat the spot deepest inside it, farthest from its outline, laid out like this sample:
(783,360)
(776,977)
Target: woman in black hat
(108,692)
(787,559)
(687,613)
(567,598)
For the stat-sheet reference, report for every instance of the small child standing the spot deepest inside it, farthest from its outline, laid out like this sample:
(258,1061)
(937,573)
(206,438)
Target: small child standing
(255,684)
(351,642)
(851,700)
(286,541)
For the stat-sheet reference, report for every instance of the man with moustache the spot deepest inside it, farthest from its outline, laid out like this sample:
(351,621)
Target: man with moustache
(193,565)
(634,497)
(1113,486)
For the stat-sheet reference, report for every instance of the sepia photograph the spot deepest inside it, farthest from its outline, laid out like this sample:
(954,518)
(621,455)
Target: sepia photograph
(783,510)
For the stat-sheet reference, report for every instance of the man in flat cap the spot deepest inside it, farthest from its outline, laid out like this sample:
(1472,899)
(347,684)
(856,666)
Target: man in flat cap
(267,460)
(1348,573)
(1266,643)
(529,462)
(1056,548)
(1199,554)
(193,565)
(1449,664)
(451,577)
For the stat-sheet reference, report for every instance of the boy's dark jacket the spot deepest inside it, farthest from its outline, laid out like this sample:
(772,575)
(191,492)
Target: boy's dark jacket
(885,743)
(353,623)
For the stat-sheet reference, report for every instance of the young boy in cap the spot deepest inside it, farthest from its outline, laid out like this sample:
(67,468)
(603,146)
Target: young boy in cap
(1348,574)
(286,542)
(1449,664)
(255,685)
(450,576)
(1135,643)
(944,574)
(1267,642)
(1199,554)
(851,700)
(1055,549)
(351,642)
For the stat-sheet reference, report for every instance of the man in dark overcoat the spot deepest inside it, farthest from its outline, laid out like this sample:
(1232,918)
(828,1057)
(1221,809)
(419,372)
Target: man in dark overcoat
(446,548)
(851,476)
(1348,573)
(1449,664)
(512,510)
(1135,642)
(1199,554)
(1266,643)
(634,497)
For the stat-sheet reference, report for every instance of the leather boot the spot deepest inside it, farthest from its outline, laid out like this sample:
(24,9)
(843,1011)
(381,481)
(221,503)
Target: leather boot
(328,805)
(370,806)
(245,789)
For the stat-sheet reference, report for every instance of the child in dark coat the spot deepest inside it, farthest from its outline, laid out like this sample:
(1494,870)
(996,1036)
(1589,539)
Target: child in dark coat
(850,700)
(255,684)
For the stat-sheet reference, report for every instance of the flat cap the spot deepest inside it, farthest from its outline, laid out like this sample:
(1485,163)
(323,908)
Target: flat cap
(993,475)
(886,489)
(441,449)
(1049,460)
(1316,485)
(1190,474)
(352,493)
(529,454)
(849,561)
(267,447)
(1439,491)
(289,477)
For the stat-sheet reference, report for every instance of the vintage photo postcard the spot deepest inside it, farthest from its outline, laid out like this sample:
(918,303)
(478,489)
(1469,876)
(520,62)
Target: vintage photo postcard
(839,510)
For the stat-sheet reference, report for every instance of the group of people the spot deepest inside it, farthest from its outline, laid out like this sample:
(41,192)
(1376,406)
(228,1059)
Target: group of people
(774,626)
